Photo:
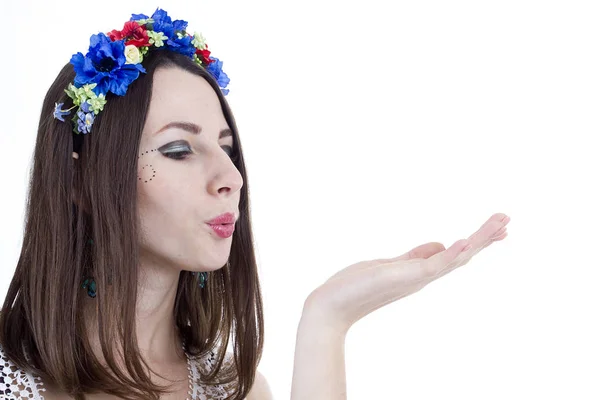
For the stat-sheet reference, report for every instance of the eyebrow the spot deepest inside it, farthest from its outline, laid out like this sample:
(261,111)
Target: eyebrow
(192,128)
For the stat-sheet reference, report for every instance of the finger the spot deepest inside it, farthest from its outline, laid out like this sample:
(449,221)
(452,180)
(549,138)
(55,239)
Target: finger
(462,260)
(465,257)
(498,234)
(497,238)
(423,251)
(491,230)
(437,263)
(386,282)
(496,222)
(477,239)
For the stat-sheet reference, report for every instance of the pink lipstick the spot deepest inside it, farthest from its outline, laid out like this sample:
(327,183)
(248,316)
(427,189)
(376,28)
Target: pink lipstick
(223,225)
(223,230)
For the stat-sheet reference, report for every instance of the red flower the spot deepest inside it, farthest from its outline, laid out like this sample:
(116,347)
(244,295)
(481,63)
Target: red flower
(203,55)
(134,33)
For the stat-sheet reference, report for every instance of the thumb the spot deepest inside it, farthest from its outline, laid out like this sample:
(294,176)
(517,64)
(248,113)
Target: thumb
(423,251)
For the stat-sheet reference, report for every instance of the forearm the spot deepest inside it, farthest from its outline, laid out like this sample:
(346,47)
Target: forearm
(319,364)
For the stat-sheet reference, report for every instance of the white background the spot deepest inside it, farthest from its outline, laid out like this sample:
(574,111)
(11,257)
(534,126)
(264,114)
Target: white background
(370,128)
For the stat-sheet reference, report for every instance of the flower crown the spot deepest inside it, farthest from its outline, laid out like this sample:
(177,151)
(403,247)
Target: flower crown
(114,61)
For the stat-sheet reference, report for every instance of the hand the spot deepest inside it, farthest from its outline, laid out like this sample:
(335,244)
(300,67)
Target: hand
(366,286)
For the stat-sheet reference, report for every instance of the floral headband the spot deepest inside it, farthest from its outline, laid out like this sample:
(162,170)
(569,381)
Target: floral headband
(114,61)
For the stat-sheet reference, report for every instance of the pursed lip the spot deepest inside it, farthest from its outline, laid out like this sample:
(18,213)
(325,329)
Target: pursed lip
(226,218)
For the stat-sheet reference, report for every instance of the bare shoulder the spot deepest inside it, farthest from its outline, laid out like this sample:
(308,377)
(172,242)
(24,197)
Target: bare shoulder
(260,390)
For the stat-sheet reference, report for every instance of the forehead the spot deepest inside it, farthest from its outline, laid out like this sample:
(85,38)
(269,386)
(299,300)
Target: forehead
(178,95)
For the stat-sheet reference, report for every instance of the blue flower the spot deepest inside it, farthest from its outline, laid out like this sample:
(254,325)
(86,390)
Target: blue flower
(105,65)
(183,45)
(59,113)
(216,70)
(85,120)
(163,23)
(135,17)
(85,106)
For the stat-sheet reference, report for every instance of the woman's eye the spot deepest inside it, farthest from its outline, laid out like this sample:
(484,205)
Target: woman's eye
(180,152)
(177,155)
(176,150)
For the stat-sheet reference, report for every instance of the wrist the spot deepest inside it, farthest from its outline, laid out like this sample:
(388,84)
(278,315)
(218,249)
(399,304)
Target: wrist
(318,320)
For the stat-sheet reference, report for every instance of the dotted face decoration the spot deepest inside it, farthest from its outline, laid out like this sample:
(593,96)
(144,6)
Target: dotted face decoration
(147,171)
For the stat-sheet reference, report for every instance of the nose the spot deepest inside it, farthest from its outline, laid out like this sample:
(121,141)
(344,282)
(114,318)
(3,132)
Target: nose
(226,177)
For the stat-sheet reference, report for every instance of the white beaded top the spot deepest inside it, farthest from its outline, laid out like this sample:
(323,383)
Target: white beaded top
(16,384)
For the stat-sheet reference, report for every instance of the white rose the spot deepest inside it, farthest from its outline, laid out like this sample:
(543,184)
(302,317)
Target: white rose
(132,55)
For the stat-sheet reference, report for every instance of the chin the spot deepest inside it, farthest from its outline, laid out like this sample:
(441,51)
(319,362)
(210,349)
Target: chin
(209,266)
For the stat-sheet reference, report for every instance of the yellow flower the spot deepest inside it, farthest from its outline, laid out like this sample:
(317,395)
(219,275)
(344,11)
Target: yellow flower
(81,94)
(197,59)
(87,91)
(199,41)
(157,38)
(97,103)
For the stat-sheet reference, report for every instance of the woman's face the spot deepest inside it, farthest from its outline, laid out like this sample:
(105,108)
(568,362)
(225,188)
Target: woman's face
(185,174)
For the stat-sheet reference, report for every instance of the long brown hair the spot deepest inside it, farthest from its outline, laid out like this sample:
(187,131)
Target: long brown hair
(42,328)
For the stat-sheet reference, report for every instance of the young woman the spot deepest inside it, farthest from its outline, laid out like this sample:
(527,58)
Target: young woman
(137,265)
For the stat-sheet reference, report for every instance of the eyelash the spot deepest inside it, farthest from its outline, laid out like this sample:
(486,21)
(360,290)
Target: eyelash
(233,156)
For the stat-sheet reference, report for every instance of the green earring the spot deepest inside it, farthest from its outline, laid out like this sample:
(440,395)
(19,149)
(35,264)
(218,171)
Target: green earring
(90,285)
(202,277)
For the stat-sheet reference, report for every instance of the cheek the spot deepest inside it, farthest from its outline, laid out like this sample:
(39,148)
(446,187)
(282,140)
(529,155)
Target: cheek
(158,194)
(152,178)
(146,172)
(163,213)
(165,193)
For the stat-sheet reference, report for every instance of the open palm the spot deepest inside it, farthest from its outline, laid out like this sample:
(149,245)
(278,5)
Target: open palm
(366,286)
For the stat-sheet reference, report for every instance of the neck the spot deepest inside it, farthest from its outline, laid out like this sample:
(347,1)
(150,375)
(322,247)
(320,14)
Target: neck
(157,335)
